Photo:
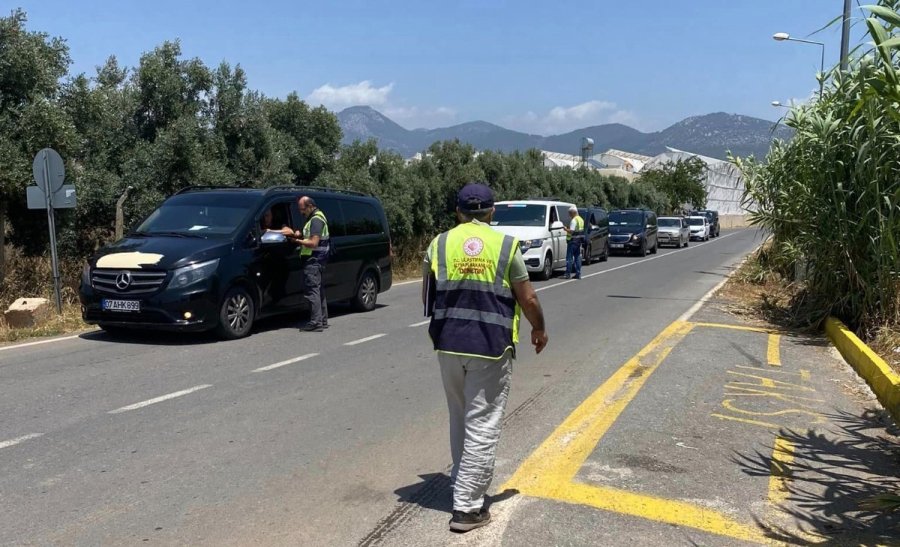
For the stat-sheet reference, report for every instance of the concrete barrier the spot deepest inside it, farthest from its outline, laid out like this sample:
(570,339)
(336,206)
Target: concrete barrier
(27,312)
(885,383)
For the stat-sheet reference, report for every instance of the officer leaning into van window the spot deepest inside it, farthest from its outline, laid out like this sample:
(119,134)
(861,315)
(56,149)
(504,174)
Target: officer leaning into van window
(574,241)
(476,285)
(315,245)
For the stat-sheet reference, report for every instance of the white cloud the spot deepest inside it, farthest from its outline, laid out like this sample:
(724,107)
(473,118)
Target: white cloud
(414,117)
(362,93)
(561,119)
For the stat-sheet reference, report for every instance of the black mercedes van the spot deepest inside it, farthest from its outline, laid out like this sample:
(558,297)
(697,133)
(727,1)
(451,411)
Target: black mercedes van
(200,261)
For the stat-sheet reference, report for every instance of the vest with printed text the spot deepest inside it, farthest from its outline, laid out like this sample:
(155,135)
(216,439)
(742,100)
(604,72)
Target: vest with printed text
(475,311)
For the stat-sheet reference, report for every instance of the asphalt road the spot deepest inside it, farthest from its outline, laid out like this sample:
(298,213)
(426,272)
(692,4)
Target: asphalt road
(297,438)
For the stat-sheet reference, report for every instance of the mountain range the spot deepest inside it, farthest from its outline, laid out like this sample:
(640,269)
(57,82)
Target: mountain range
(711,135)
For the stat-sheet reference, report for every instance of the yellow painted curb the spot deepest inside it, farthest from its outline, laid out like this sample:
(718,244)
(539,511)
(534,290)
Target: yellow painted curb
(873,369)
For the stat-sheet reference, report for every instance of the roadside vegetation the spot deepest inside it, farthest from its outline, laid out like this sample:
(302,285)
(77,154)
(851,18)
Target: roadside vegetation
(172,122)
(830,197)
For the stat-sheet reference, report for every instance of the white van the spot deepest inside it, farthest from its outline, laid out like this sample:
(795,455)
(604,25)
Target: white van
(538,225)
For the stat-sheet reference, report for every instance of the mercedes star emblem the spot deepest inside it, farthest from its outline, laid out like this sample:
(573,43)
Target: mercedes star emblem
(123,281)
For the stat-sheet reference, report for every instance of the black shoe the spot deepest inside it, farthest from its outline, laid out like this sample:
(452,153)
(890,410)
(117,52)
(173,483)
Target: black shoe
(325,325)
(463,522)
(311,327)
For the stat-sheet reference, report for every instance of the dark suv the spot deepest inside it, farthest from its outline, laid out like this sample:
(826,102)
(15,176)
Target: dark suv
(633,230)
(200,261)
(596,233)
(713,217)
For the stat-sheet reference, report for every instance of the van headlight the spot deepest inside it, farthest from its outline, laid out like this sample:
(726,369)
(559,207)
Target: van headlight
(635,237)
(526,244)
(192,274)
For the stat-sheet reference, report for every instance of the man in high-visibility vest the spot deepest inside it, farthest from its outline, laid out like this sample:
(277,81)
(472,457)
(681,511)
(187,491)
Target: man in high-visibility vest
(574,241)
(475,286)
(315,245)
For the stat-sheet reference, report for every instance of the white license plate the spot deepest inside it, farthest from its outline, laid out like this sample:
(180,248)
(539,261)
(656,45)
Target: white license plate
(617,245)
(122,305)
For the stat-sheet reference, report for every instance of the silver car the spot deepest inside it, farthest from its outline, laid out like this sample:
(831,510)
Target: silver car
(674,231)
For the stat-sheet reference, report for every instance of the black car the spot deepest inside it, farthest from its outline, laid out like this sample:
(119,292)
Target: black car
(201,261)
(596,234)
(633,230)
(713,217)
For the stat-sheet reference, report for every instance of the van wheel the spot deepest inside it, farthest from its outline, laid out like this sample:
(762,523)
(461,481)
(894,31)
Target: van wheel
(547,272)
(236,314)
(644,248)
(654,249)
(605,256)
(587,255)
(366,292)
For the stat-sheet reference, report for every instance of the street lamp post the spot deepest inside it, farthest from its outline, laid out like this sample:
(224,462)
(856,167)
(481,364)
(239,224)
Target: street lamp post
(785,37)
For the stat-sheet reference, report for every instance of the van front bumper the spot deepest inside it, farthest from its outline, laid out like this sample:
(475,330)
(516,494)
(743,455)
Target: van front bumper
(161,311)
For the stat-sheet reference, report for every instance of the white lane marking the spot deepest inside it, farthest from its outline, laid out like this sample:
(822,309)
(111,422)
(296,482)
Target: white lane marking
(366,339)
(420,323)
(674,252)
(288,362)
(160,399)
(17,440)
(40,342)
(406,282)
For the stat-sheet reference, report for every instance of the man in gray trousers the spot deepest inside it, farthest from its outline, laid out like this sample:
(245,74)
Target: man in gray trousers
(475,287)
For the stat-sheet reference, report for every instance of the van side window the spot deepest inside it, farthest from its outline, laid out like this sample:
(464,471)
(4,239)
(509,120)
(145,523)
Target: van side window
(332,209)
(281,216)
(563,212)
(553,216)
(361,218)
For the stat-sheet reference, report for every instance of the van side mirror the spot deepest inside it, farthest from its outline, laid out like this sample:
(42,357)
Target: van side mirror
(557,225)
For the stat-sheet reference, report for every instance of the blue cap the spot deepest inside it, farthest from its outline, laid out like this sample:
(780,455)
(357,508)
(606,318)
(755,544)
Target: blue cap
(475,198)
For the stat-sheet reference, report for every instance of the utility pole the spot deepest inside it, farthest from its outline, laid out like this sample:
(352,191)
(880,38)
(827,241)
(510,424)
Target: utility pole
(845,37)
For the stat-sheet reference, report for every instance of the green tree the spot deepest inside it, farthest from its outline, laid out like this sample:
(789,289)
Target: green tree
(680,181)
(31,65)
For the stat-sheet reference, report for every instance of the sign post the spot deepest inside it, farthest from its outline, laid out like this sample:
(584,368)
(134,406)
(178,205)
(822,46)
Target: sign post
(50,193)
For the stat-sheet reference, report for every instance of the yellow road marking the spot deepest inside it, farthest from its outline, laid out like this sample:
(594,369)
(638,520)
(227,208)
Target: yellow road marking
(774,352)
(733,327)
(550,470)
(556,461)
(766,425)
(802,373)
(658,509)
(729,404)
(766,382)
(782,457)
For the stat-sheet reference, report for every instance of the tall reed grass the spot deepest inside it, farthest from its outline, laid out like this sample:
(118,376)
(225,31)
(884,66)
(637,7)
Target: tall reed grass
(831,196)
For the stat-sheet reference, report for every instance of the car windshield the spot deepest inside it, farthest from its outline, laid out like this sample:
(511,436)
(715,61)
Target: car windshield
(199,214)
(519,214)
(669,223)
(623,218)
(695,221)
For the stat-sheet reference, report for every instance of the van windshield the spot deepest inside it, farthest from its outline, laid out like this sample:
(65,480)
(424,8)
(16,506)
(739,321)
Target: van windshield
(695,221)
(626,218)
(519,214)
(670,223)
(203,215)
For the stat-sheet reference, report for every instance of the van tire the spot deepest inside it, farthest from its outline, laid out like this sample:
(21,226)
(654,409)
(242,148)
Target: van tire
(547,272)
(366,295)
(655,247)
(605,256)
(587,258)
(236,314)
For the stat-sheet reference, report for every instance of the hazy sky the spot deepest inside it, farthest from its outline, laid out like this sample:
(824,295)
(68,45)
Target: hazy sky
(532,66)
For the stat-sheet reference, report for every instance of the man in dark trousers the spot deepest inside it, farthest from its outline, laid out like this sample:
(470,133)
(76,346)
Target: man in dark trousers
(475,277)
(315,245)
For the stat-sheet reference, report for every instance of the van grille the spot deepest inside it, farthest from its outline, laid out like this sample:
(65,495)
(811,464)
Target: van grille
(127,282)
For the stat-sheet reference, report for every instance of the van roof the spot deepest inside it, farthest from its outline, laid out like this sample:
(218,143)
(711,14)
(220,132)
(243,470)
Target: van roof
(532,202)
(271,190)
